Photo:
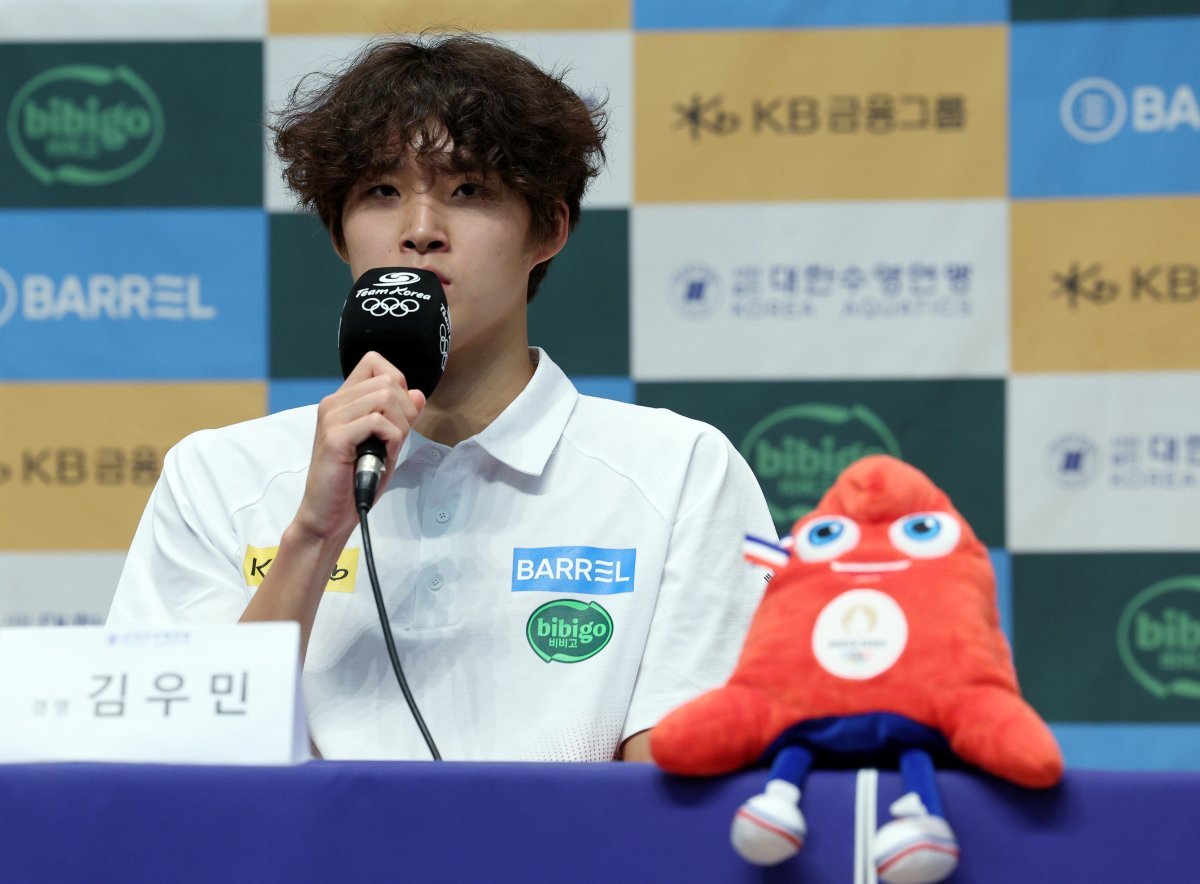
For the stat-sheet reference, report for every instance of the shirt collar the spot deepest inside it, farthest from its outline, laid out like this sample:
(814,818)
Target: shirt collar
(526,433)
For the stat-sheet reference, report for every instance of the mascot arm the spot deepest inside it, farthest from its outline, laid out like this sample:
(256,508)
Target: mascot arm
(720,731)
(994,728)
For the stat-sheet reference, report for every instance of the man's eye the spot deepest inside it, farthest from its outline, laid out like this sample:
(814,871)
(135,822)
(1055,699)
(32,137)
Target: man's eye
(469,188)
(382,190)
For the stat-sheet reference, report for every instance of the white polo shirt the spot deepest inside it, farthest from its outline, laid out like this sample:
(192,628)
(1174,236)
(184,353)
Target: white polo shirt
(555,584)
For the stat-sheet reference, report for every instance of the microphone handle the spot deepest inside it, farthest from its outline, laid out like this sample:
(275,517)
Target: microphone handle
(374,446)
(371,457)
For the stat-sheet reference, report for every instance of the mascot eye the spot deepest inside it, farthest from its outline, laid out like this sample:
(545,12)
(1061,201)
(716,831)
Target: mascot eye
(824,539)
(925,535)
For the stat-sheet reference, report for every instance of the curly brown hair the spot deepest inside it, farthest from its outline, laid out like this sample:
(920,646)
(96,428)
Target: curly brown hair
(497,112)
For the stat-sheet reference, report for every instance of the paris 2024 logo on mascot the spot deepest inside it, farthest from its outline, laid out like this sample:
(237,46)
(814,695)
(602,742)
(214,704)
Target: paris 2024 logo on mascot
(878,637)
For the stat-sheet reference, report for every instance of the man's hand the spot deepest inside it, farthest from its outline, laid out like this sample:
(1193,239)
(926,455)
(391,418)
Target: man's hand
(373,401)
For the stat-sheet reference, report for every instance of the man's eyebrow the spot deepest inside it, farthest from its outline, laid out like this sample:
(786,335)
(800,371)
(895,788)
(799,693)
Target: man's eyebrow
(437,164)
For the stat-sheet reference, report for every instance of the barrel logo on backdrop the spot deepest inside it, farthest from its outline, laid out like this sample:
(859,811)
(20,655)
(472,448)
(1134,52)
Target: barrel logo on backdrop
(1094,109)
(1163,461)
(1158,638)
(590,570)
(568,630)
(798,452)
(1089,284)
(85,125)
(41,297)
(877,113)
(81,295)
(867,290)
(9,299)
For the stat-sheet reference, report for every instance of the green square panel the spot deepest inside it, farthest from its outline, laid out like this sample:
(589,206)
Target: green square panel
(799,436)
(581,312)
(131,124)
(309,283)
(1048,10)
(1109,637)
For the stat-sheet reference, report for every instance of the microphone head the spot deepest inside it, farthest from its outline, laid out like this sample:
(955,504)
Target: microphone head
(400,313)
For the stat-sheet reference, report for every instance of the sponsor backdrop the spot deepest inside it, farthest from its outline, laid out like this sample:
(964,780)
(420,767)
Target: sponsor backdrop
(963,234)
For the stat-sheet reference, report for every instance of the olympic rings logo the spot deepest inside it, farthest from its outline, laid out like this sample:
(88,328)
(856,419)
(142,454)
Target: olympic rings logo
(390,306)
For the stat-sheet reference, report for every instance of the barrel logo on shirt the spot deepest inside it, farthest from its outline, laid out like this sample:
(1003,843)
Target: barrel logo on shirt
(568,630)
(591,570)
(259,558)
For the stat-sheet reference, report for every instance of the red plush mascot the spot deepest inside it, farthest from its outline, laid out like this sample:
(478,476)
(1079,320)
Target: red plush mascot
(877,637)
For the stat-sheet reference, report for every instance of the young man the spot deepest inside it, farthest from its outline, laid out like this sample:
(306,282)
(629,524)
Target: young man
(559,571)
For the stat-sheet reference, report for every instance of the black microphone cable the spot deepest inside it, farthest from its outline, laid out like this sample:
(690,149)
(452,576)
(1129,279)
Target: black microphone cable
(364,496)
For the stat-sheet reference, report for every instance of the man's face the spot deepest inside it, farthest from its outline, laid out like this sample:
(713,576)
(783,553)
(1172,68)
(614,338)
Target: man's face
(473,232)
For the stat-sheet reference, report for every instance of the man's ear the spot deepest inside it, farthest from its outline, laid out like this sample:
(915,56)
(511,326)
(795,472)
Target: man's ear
(553,244)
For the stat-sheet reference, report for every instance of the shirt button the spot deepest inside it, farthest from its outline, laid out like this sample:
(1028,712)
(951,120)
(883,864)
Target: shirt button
(435,455)
(443,516)
(435,583)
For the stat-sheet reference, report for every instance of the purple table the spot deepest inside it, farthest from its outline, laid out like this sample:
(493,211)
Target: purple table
(570,823)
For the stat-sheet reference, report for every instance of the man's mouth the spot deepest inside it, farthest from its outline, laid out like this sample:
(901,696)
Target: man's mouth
(441,277)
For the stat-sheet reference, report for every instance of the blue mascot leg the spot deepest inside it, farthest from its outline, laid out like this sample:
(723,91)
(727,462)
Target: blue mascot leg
(792,764)
(916,772)
(918,847)
(770,828)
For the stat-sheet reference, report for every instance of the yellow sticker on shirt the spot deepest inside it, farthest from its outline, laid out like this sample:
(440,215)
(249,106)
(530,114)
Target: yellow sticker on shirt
(258,560)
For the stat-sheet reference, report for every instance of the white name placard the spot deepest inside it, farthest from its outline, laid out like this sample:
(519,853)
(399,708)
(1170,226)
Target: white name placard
(202,694)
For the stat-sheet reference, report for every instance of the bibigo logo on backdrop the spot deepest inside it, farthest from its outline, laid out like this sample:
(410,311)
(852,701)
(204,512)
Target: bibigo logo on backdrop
(1158,638)
(798,452)
(1094,109)
(85,125)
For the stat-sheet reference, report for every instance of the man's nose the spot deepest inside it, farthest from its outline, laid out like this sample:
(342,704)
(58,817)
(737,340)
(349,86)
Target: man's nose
(424,230)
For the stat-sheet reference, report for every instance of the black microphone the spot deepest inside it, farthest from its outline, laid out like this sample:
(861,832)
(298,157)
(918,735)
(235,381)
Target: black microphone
(400,313)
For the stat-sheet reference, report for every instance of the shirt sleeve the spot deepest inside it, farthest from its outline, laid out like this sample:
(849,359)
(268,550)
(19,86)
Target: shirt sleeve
(183,565)
(708,592)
